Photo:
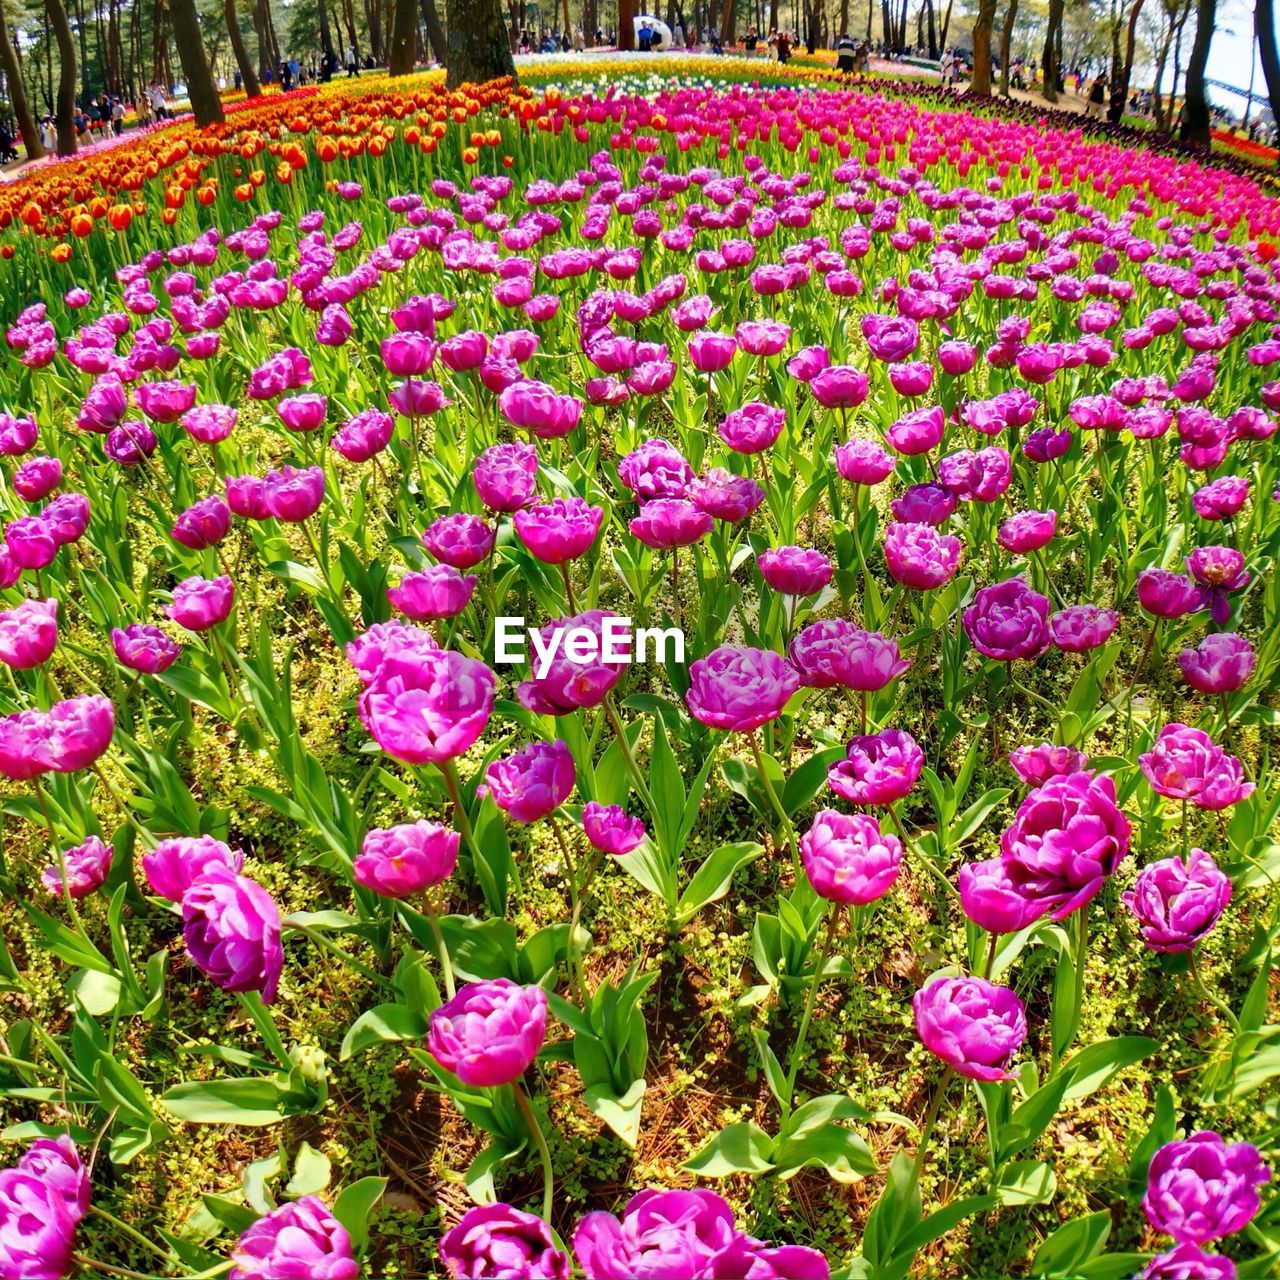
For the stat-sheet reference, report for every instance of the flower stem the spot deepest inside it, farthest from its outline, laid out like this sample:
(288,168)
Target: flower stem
(325,945)
(446,965)
(931,1119)
(136,1236)
(624,745)
(797,1050)
(540,1142)
(1218,1003)
(776,803)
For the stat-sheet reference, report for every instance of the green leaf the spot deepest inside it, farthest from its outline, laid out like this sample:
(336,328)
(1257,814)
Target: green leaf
(353,1206)
(938,1223)
(773,1072)
(738,1148)
(620,1112)
(250,1100)
(1093,1066)
(67,944)
(1071,1246)
(1026,1182)
(382,1023)
(1032,1117)
(840,1151)
(712,879)
(228,1214)
(311,1171)
(893,1217)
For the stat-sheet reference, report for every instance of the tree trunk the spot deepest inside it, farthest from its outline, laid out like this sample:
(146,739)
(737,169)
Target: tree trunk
(248,76)
(1196,126)
(18,92)
(477,42)
(980,83)
(435,32)
(626,27)
(1264,17)
(66,107)
(946,26)
(1006,38)
(844,18)
(1157,92)
(1120,85)
(206,106)
(727,16)
(1050,61)
(932,28)
(404,38)
(81,30)
(591,19)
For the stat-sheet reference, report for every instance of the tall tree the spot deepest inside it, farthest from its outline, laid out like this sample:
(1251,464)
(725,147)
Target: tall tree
(18,91)
(404,38)
(65,110)
(1050,60)
(326,35)
(980,81)
(477,42)
(1120,80)
(933,31)
(1006,38)
(1264,19)
(1196,126)
(206,106)
(627,26)
(248,76)
(435,32)
(942,35)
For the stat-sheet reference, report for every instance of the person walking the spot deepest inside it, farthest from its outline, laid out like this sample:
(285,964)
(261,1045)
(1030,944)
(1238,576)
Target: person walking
(1097,97)
(844,54)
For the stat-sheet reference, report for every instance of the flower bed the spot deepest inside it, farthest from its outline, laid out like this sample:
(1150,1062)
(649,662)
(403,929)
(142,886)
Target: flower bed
(896,897)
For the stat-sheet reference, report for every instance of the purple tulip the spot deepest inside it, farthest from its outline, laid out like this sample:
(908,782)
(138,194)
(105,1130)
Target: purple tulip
(864,462)
(1008,621)
(400,861)
(1027,531)
(209,423)
(459,539)
(795,571)
(18,435)
(848,859)
(408,355)
(919,557)
(539,409)
(1221,499)
(37,478)
(37,1232)
(710,352)
(86,869)
(506,476)
(415,399)
(1081,627)
(1186,764)
(840,386)
(1202,1188)
(201,603)
(725,496)
(657,469)
(464,351)
(974,1026)
(497,1240)
(303,413)
(890,338)
(1066,838)
(993,901)
(293,494)
(298,1241)
(28,633)
(424,705)
(1047,445)
(1219,571)
(564,684)
(752,428)
(364,435)
(57,1163)
(532,782)
(203,524)
(1165,594)
(1189,1262)
(762,337)
(165,401)
(1221,663)
(1036,765)
(739,688)
(438,591)
(662,1235)
(560,530)
(1177,903)
(929,504)
(30,542)
(878,768)
(807,363)
(490,1032)
(175,864)
(918,431)
(144,648)
(610,830)
(956,358)
(232,930)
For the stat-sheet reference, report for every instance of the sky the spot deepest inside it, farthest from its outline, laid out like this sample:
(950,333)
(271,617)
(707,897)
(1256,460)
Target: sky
(1229,54)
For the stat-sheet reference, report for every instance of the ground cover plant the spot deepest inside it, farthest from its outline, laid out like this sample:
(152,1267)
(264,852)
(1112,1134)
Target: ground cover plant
(371,906)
